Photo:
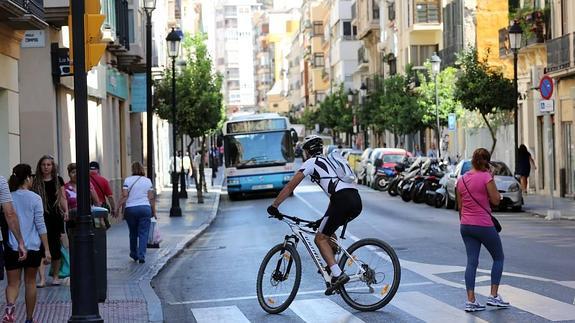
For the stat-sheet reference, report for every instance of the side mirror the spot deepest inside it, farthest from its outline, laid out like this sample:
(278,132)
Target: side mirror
(293,136)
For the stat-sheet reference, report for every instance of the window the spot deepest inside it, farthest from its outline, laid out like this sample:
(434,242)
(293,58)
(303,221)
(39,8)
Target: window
(317,28)
(233,73)
(564,19)
(375,9)
(318,60)
(230,10)
(131,25)
(391,11)
(427,11)
(109,11)
(420,53)
(347,30)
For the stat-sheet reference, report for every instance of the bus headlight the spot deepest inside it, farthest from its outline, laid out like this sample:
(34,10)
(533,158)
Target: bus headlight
(287,178)
(232,182)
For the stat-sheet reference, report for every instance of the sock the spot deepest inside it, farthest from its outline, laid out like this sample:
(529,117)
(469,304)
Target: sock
(335,270)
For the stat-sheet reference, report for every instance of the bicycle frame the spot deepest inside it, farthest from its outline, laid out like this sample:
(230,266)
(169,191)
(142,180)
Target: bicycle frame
(303,234)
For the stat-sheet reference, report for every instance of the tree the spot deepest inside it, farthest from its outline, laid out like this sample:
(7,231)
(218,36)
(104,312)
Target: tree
(446,92)
(199,101)
(335,113)
(483,88)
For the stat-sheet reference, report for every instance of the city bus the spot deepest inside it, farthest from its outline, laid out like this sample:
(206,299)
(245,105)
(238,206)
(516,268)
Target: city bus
(259,153)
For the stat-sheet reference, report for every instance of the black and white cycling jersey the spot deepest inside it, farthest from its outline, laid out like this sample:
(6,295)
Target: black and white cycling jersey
(324,175)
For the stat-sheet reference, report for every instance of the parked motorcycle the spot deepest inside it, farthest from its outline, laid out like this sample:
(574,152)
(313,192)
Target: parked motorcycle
(412,175)
(383,176)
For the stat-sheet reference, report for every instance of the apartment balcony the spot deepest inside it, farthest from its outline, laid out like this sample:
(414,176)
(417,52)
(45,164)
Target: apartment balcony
(535,33)
(559,53)
(362,59)
(23,14)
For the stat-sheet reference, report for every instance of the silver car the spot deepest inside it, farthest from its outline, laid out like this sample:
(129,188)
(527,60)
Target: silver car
(507,185)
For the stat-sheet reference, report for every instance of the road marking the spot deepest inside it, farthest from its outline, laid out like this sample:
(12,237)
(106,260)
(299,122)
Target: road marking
(231,314)
(547,308)
(428,309)
(570,284)
(322,310)
(242,298)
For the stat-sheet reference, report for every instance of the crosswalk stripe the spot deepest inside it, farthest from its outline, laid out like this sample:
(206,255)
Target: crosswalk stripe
(228,314)
(322,310)
(428,309)
(547,308)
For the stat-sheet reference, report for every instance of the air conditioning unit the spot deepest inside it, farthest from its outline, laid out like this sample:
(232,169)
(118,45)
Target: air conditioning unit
(108,34)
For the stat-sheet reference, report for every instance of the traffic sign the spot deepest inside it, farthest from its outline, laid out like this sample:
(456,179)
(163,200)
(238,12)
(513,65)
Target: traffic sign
(451,122)
(546,106)
(546,87)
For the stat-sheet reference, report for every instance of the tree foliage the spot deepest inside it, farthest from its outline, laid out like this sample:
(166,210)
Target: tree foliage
(446,93)
(199,100)
(335,113)
(483,88)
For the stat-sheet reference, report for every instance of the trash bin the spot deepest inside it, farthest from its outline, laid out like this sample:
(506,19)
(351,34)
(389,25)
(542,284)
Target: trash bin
(100,248)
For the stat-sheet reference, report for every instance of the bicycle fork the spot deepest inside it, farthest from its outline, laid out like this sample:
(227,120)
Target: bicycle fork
(277,275)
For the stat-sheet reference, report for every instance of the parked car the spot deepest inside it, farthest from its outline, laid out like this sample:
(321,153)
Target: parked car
(352,156)
(507,185)
(383,158)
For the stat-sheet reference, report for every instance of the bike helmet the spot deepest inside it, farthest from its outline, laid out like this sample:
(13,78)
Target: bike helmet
(313,145)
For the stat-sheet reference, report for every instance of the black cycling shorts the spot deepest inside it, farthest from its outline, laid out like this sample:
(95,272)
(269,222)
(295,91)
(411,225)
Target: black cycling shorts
(32,260)
(344,206)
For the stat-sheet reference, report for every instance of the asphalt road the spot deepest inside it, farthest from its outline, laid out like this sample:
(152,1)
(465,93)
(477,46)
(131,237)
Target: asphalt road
(215,279)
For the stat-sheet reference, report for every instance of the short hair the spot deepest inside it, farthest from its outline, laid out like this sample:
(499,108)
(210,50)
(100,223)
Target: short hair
(481,159)
(138,169)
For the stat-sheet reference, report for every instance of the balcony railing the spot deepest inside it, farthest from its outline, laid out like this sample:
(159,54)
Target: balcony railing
(23,14)
(558,53)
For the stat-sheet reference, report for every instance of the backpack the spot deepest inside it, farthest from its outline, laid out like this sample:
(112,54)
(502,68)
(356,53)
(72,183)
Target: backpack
(340,166)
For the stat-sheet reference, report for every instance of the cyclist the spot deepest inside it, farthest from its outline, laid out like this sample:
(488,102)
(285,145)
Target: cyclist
(345,203)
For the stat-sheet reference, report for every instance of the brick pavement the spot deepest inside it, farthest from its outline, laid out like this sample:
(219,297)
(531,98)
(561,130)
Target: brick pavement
(130,297)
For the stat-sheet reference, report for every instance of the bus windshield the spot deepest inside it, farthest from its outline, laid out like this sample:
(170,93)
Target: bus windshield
(258,149)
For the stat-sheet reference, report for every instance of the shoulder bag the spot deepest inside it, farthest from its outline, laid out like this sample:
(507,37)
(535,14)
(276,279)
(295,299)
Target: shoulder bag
(493,219)
(129,190)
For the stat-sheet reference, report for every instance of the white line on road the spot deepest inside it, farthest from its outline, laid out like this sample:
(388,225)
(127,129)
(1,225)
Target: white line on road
(322,310)
(228,314)
(570,284)
(547,308)
(428,309)
(242,298)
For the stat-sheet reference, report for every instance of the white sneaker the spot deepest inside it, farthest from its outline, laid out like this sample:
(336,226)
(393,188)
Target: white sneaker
(497,301)
(474,307)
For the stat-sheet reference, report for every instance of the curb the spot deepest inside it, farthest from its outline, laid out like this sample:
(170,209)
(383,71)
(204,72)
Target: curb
(155,312)
(543,214)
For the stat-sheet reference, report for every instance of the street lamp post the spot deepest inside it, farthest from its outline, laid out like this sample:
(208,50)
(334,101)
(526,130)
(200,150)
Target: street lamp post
(515,44)
(354,124)
(82,257)
(174,40)
(435,67)
(149,6)
(363,94)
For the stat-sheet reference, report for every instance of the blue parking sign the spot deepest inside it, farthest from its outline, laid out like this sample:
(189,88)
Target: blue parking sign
(451,122)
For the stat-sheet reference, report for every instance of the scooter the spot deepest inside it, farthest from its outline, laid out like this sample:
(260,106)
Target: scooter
(383,178)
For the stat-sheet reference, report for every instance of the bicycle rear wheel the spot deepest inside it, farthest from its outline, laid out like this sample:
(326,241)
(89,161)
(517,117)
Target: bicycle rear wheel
(279,277)
(374,274)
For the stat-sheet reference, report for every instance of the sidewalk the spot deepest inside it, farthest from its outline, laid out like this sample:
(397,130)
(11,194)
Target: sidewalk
(130,295)
(539,205)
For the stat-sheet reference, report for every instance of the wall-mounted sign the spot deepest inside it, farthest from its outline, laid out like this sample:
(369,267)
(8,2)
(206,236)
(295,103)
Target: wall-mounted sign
(138,93)
(34,39)
(546,106)
(546,87)
(451,122)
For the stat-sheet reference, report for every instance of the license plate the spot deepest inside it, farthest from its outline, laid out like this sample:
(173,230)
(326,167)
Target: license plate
(262,187)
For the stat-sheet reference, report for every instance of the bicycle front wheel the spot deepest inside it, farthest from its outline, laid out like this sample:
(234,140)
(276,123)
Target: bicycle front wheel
(279,277)
(374,272)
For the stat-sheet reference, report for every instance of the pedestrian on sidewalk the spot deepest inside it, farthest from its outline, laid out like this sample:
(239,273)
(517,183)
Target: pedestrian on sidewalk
(524,163)
(140,206)
(12,223)
(476,190)
(187,164)
(50,187)
(71,189)
(103,190)
(30,211)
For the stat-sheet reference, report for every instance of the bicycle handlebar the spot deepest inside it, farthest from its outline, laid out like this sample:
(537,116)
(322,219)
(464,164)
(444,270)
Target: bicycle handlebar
(296,220)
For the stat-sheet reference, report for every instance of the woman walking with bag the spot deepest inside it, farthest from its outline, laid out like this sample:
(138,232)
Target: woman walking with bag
(138,198)
(30,211)
(475,191)
(50,187)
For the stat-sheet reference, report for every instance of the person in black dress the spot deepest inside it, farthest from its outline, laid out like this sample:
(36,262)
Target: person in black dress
(50,187)
(524,162)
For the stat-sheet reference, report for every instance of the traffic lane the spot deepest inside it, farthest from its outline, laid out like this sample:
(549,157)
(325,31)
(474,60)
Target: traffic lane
(220,268)
(532,245)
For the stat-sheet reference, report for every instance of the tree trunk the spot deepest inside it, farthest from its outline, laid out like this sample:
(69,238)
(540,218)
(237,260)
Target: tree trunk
(201,172)
(493,137)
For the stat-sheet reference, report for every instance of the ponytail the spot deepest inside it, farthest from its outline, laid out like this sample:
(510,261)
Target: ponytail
(20,174)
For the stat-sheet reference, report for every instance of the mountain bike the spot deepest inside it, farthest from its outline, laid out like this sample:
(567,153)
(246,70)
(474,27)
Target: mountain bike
(371,264)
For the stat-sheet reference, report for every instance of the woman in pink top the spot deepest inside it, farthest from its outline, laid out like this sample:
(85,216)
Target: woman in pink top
(476,190)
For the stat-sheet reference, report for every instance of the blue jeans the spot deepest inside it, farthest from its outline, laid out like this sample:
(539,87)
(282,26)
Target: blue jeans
(473,237)
(138,219)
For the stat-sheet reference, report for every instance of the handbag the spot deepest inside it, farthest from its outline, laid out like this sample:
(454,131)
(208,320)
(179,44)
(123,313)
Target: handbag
(496,223)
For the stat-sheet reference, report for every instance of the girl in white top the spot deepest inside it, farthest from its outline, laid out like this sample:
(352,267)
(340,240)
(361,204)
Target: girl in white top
(138,198)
